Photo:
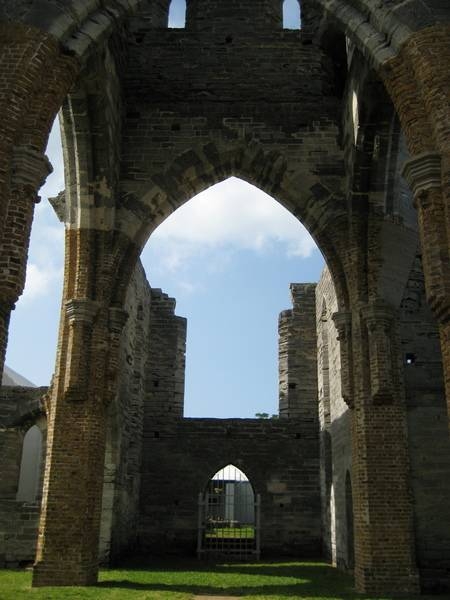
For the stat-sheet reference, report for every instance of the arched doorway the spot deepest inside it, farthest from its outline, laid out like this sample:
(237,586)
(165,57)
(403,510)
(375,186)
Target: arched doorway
(229,517)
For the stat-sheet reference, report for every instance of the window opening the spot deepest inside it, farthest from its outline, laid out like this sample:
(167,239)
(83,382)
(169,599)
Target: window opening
(177,14)
(292,18)
(30,466)
(229,523)
(355,115)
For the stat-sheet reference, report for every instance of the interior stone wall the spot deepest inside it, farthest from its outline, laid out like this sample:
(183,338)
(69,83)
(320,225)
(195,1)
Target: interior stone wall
(279,456)
(125,427)
(335,432)
(20,409)
(429,444)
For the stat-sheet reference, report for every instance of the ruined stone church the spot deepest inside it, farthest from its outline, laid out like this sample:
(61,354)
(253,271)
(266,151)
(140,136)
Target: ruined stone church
(346,122)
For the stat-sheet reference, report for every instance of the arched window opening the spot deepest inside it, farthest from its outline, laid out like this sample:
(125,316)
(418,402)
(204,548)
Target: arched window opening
(292,18)
(355,116)
(30,466)
(177,14)
(215,255)
(229,516)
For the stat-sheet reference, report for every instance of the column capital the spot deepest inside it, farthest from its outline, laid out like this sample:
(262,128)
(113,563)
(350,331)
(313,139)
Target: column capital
(423,172)
(379,319)
(30,167)
(343,323)
(378,313)
(81,310)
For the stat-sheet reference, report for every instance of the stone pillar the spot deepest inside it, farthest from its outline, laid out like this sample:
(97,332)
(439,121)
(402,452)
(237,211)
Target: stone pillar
(116,322)
(29,171)
(383,513)
(343,323)
(297,355)
(68,539)
(80,313)
(424,175)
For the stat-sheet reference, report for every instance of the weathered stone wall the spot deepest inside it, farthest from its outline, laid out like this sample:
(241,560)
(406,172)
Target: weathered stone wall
(429,445)
(229,104)
(20,409)
(429,442)
(335,432)
(279,456)
(120,503)
(297,354)
(152,349)
(164,376)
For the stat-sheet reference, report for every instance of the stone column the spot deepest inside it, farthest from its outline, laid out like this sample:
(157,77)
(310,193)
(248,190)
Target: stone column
(29,171)
(117,320)
(383,514)
(68,539)
(343,323)
(424,175)
(80,314)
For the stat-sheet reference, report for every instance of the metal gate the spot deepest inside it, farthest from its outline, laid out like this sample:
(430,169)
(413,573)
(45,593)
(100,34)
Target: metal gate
(229,517)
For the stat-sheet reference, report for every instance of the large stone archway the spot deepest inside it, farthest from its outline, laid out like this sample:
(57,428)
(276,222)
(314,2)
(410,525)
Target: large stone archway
(146,165)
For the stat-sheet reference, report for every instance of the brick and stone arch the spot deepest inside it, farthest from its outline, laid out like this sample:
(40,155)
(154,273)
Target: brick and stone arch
(45,52)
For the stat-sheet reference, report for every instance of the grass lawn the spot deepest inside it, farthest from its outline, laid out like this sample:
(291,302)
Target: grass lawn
(231,532)
(183,580)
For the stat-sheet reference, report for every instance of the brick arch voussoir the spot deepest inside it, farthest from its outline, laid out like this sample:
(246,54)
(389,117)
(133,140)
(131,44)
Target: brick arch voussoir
(316,207)
(404,47)
(36,75)
(79,26)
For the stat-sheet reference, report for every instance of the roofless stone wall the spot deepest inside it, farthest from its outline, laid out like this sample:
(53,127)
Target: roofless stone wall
(428,441)
(20,408)
(279,456)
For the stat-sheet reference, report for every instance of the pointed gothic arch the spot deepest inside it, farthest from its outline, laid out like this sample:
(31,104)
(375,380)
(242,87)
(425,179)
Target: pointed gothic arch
(229,521)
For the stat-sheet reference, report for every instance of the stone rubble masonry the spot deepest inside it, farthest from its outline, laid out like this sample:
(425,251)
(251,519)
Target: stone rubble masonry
(164,380)
(298,355)
(335,430)
(279,456)
(428,443)
(20,408)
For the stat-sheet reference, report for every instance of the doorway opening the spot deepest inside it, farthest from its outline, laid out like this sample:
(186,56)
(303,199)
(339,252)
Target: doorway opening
(229,517)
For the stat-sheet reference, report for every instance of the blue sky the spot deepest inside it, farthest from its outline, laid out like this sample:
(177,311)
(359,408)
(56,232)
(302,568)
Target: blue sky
(291,13)
(227,256)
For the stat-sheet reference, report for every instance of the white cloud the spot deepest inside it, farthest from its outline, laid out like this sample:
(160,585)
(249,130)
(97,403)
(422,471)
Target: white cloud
(233,215)
(41,281)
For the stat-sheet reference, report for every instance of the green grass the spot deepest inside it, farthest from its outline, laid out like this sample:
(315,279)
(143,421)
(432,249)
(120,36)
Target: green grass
(231,532)
(182,580)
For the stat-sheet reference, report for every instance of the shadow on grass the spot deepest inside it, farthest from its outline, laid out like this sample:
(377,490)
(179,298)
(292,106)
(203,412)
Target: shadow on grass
(291,580)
